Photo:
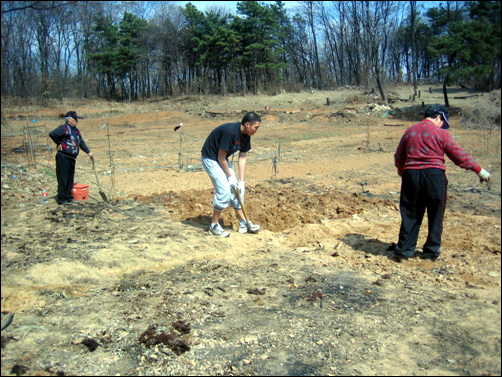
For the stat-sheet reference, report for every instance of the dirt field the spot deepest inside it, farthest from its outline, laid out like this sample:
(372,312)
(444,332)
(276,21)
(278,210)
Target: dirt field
(137,286)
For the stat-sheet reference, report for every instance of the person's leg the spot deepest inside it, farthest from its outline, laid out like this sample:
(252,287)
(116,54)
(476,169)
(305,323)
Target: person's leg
(412,212)
(64,173)
(436,202)
(220,183)
(60,177)
(216,216)
(71,178)
(240,214)
(222,194)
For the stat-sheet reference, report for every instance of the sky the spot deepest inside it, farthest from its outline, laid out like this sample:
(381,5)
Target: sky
(230,5)
(203,6)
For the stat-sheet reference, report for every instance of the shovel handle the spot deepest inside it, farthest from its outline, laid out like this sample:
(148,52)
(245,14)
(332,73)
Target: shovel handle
(94,168)
(103,195)
(95,173)
(238,193)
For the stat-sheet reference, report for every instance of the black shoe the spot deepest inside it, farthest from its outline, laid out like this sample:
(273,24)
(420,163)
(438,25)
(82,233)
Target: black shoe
(67,202)
(432,258)
(402,259)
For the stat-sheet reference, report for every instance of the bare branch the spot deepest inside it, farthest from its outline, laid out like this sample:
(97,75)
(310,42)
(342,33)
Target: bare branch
(39,5)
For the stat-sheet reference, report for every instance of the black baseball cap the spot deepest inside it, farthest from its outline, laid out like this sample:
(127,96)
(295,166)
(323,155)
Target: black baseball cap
(72,114)
(434,110)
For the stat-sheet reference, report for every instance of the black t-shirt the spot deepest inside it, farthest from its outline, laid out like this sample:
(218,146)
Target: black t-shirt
(227,137)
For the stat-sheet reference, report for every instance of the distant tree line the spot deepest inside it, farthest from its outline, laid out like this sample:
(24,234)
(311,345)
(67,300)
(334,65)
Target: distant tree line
(136,50)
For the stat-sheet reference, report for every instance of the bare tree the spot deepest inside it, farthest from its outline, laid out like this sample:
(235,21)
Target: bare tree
(167,35)
(341,34)
(333,52)
(413,25)
(16,6)
(39,49)
(377,16)
(80,36)
(308,8)
(43,26)
(18,61)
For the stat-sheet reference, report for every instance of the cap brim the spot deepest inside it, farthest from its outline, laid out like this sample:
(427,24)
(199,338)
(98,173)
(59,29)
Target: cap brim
(446,122)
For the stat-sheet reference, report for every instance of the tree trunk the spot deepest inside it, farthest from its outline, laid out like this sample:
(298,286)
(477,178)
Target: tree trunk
(413,5)
(310,13)
(380,88)
(445,91)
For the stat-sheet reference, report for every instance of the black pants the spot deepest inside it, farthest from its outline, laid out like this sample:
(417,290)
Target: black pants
(65,172)
(421,190)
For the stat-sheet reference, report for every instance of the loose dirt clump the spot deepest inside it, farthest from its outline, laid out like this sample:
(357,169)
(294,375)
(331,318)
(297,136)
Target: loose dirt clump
(137,286)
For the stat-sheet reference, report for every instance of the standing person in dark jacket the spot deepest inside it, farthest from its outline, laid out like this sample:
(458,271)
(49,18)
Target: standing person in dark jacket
(69,141)
(420,162)
(221,143)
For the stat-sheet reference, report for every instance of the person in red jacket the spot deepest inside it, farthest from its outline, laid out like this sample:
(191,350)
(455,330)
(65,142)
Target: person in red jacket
(420,162)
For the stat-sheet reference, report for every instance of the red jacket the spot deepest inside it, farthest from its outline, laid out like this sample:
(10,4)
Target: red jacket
(424,145)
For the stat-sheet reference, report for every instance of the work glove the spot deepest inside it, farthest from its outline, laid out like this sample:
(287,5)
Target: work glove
(484,176)
(234,184)
(241,189)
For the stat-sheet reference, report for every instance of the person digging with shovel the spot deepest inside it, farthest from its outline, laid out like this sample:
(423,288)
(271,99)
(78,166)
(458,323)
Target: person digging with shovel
(69,141)
(221,143)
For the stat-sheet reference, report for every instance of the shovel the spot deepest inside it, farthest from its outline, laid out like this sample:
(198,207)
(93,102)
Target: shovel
(101,192)
(238,193)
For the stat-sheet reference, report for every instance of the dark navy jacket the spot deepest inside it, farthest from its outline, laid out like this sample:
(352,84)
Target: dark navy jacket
(70,140)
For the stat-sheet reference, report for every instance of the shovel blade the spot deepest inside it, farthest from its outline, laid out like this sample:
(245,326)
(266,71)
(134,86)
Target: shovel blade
(252,231)
(103,196)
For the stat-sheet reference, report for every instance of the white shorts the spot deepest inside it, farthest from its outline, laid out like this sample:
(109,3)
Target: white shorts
(224,195)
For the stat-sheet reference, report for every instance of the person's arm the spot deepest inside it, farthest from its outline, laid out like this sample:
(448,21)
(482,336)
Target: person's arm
(463,160)
(242,166)
(84,146)
(458,156)
(400,156)
(222,159)
(56,135)
(242,173)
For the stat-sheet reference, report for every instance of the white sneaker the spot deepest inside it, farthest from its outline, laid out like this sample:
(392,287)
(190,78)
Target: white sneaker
(243,228)
(217,230)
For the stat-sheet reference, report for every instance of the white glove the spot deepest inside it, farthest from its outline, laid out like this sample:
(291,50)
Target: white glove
(484,176)
(232,181)
(241,189)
